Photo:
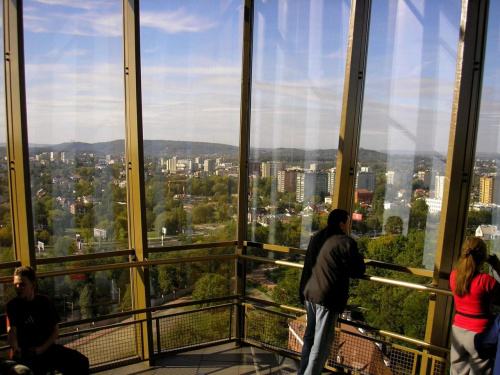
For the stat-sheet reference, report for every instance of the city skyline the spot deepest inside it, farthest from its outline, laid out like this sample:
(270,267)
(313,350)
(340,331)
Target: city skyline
(191,73)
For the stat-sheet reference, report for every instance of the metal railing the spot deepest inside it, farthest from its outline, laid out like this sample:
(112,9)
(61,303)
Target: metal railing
(357,348)
(185,326)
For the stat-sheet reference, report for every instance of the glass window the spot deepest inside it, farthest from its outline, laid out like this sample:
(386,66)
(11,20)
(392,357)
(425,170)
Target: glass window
(75,101)
(84,295)
(405,127)
(298,70)
(484,219)
(403,144)
(191,82)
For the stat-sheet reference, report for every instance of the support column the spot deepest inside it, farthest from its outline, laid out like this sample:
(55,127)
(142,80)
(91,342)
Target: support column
(350,127)
(23,242)
(246,96)
(460,164)
(137,228)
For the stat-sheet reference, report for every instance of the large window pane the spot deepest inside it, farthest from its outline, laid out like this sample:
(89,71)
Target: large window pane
(405,127)
(191,81)
(484,215)
(404,139)
(74,65)
(297,86)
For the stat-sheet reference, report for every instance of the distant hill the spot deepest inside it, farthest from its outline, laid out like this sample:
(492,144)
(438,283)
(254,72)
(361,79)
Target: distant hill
(151,148)
(168,149)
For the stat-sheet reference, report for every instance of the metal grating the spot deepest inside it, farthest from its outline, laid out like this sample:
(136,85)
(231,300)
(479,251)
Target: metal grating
(440,366)
(354,350)
(193,328)
(268,328)
(107,346)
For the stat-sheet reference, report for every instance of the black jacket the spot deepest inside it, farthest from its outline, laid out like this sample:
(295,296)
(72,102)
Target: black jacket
(331,259)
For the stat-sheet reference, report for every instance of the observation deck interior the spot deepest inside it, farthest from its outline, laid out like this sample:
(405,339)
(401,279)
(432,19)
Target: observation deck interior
(164,164)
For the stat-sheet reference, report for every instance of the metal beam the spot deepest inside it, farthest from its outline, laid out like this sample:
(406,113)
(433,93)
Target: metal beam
(460,162)
(350,126)
(246,95)
(17,134)
(137,228)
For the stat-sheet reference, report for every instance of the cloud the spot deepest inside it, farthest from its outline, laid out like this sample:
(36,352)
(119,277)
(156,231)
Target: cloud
(90,21)
(87,4)
(176,22)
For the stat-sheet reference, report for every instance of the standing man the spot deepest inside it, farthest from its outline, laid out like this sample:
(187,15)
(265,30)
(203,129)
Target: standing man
(33,329)
(332,258)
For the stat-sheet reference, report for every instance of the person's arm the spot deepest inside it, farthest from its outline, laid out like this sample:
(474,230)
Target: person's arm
(357,261)
(12,339)
(50,340)
(494,263)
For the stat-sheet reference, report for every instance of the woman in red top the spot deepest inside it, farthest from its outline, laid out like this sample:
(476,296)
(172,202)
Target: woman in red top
(474,293)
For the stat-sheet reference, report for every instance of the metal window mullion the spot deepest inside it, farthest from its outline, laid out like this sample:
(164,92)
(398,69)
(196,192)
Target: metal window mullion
(245,108)
(134,159)
(352,102)
(460,161)
(17,134)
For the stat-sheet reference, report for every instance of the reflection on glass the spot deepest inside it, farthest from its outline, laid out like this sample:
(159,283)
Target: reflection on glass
(84,295)
(191,81)
(404,139)
(76,126)
(6,253)
(405,125)
(484,214)
(297,86)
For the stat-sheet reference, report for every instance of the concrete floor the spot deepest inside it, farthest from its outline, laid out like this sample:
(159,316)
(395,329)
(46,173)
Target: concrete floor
(226,359)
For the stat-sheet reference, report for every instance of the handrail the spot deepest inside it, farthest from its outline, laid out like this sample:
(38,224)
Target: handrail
(148,263)
(8,265)
(80,257)
(106,267)
(429,289)
(281,249)
(368,262)
(423,288)
(277,262)
(145,310)
(166,249)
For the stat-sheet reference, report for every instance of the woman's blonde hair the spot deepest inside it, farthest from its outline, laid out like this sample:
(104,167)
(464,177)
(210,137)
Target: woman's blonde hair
(471,260)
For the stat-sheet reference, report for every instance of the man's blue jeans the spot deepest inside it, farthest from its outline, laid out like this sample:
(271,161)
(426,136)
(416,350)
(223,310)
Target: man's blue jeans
(318,339)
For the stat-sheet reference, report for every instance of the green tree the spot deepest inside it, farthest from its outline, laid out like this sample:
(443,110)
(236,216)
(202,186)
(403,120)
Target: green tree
(418,214)
(87,301)
(210,285)
(203,213)
(394,225)
(286,291)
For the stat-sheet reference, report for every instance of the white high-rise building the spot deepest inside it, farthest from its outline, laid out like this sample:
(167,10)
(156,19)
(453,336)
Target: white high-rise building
(439,187)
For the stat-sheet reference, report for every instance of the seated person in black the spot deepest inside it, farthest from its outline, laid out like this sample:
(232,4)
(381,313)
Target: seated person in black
(33,329)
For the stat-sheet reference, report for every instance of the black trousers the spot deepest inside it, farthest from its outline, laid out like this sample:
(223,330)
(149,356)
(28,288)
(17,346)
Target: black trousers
(57,357)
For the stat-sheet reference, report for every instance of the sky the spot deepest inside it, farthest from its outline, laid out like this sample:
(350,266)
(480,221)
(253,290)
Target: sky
(191,72)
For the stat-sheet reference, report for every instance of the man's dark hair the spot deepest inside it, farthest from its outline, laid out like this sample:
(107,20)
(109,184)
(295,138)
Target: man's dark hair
(29,272)
(336,217)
